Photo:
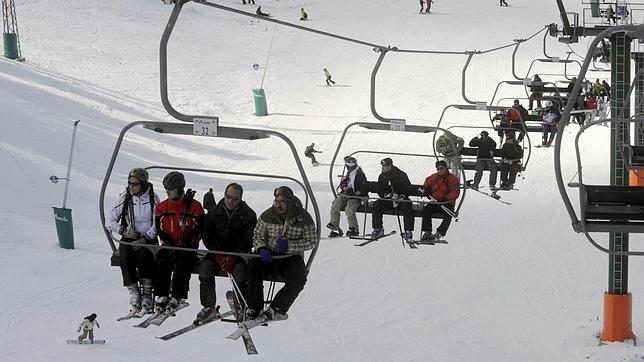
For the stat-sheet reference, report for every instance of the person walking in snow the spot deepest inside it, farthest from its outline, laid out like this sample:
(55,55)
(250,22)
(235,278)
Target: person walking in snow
(303,15)
(484,159)
(179,220)
(133,219)
(422,3)
(328,77)
(87,326)
(208,200)
(285,229)
(444,187)
(353,187)
(229,227)
(429,5)
(260,13)
(393,184)
(309,152)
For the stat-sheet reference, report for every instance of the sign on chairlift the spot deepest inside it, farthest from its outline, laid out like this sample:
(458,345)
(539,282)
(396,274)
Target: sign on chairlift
(397,125)
(481,106)
(205,126)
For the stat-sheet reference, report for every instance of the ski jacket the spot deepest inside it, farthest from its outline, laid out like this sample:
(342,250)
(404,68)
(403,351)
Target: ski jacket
(486,147)
(134,211)
(393,182)
(550,115)
(208,201)
(327,74)
(169,215)
(88,325)
(297,227)
(517,113)
(308,151)
(537,88)
(229,230)
(443,188)
(511,152)
(354,183)
(444,147)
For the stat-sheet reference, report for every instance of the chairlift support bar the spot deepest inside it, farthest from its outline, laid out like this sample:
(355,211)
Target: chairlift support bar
(223,132)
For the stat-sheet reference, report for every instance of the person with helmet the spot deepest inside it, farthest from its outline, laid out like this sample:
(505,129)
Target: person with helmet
(133,219)
(353,187)
(443,187)
(450,146)
(551,117)
(179,220)
(309,152)
(285,229)
(229,227)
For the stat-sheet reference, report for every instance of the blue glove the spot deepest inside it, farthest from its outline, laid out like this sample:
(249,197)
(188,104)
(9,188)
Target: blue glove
(281,245)
(266,255)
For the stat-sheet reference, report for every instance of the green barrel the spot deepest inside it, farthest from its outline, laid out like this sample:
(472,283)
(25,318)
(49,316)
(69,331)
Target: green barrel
(10,45)
(594,8)
(260,102)
(64,227)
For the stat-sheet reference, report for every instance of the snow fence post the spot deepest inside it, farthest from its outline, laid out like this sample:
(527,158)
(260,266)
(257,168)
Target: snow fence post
(63,215)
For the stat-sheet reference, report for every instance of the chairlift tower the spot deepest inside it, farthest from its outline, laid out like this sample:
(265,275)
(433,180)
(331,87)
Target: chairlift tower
(10,37)
(617,300)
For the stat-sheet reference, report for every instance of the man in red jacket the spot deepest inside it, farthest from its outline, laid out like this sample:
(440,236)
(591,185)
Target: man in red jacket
(444,188)
(179,220)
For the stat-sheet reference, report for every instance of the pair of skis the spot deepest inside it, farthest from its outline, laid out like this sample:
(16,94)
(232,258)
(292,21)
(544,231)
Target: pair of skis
(492,194)
(134,314)
(157,318)
(414,243)
(369,239)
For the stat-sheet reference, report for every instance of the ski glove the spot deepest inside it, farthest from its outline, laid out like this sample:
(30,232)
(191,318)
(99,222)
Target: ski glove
(266,255)
(131,234)
(226,262)
(281,245)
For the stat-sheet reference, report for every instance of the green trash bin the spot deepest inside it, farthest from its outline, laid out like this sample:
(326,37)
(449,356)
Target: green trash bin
(64,227)
(10,41)
(594,8)
(260,102)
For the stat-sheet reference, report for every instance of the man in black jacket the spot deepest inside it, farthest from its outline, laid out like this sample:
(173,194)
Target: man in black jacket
(229,227)
(353,183)
(395,185)
(511,152)
(484,159)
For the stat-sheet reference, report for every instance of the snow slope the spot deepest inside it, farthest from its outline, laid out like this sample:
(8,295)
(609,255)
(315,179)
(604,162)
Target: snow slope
(514,283)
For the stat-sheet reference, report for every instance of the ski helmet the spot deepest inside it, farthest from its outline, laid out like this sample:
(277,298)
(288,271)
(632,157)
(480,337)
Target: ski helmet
(140,174)
(174,180)
(350,162)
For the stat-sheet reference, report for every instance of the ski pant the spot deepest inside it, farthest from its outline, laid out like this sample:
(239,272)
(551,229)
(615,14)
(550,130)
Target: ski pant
(535,97)
(421,5)
(312,157)
(481,165)
(178,265)
(136,264)
(350,210)
(292,269)
(502,2)
(430,209)
(328,79)
(86,332)
(509,173)
(208,268)
(403,208)
(549,129)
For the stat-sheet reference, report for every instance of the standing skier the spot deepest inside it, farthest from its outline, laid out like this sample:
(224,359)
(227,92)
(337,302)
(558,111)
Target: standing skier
(133,219)
(179,220)
(303,15)
(328,77)
(87,326)
(287,229)
(309,152)
(422,3)
(503,3)
(354,183)
(229,227)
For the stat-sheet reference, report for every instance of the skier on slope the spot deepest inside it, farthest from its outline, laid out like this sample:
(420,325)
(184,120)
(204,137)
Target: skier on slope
(429,6)
(179,220)
(260,13)
(133,219)
(309,152)
(288,229)
(441,186)
(393,184)
(503,3)
(87,326)
(353,187)
(229,227)
(303,15)
(329,81)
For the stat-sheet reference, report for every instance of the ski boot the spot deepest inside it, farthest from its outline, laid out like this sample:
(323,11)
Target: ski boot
(353,231)
(335,231)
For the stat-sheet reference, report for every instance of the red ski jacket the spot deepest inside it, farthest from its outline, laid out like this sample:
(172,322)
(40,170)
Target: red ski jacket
(443,188)
(168,216)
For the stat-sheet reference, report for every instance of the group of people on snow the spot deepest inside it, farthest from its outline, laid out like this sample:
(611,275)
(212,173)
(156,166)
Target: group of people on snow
(246,248)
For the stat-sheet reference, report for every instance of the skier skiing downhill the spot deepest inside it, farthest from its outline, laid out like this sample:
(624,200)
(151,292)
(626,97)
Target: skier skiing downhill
(329,81)
(309,152)
(87,326)
(133,219)
(179,220)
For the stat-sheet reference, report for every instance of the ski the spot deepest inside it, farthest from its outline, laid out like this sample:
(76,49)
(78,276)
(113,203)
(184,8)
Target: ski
(167,314)
(427,242)
(247,325)
(492,194)
(248,341)
(193,326)
(132,314)
(411,244)
(96,341)
(369,240)
(149,319)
